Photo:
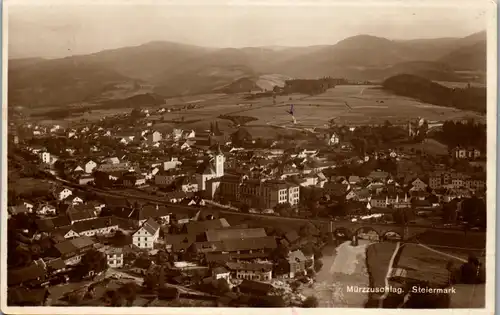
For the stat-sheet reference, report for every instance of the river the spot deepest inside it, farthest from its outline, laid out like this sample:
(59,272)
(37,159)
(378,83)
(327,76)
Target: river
(343,266)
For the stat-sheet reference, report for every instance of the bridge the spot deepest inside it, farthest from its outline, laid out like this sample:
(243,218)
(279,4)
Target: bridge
(383,231)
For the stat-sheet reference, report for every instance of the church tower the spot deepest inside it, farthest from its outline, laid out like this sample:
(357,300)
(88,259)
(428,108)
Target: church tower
(219,163)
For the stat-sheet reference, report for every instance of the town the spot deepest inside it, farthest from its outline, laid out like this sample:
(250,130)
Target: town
(118,212)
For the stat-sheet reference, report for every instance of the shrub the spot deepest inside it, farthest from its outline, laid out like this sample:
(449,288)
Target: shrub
(310,302)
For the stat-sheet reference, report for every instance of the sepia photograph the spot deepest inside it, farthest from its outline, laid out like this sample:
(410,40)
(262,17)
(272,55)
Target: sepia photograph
(160,155)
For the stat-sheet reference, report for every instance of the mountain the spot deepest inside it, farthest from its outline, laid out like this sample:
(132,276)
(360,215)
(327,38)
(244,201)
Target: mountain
(173,69)
(58,82)
(470,58)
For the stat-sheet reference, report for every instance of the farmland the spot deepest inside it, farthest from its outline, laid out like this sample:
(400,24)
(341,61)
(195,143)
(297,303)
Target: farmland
(348,104)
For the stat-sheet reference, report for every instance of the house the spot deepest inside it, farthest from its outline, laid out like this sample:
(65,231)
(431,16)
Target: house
(74,200)
(71,251)
(251,271)
(90,166)
(418,185)
(297,262)
(154,137)
(147,234)
(354,180)
(200,227)
(378,175)
(234,233)
(220,273)
(334,189)
(114,257)
(45,156)
(143,213)
(178,243)
(256,288)
(172,164)
(46,209)
(62,193)
(133,179)
(141,266)
(165,178)
(334,139)
(15,210)
(95,226)
(80,212)
(466,153)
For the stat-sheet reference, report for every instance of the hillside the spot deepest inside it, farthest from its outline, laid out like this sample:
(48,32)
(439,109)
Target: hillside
(173,69)
(59,82)
(472,98)
(471,57)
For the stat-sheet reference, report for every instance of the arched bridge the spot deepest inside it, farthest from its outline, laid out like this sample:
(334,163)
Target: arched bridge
(383,231)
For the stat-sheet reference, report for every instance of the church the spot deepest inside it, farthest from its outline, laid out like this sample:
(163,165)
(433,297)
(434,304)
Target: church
(213,169)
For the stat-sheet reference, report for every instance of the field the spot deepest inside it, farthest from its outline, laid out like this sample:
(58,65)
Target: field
(348,104)
(26,185)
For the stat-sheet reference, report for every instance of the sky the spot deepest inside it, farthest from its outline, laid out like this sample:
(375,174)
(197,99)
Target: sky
(58,30)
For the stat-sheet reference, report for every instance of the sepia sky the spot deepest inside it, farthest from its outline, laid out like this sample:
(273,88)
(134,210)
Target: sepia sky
(60,30)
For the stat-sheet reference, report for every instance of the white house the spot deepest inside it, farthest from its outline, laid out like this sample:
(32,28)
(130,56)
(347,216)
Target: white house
(63,193)
(154,136)
(334,139)
(114,257)
(172,164)
(90,166)
(147,235)
(45,156)
(46,209)
(251,271)
(220,273)
(191,134)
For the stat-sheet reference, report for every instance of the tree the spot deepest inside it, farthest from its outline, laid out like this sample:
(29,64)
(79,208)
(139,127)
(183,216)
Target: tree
(93,261)
(318,264)
(128,292)
(222,286)
(310,302)
(245,208)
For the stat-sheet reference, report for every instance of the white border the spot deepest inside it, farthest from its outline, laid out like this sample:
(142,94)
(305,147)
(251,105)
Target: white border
(491,12)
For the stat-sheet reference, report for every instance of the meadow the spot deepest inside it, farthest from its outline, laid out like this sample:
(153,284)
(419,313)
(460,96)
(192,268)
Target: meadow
(347,104)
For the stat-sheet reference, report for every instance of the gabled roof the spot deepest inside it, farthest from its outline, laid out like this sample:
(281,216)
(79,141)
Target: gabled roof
(249,266)
(296,256)
(199,227)
(151,226)
(180,242)
(223,234)
(92,224)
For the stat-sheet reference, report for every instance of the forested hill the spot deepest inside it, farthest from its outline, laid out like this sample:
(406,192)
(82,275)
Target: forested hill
(469,98)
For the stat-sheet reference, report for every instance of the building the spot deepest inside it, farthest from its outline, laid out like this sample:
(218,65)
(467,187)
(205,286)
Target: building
(97,226)
(62,193)
(45,156)
(165,178)
(111,166)
(133,180)
(154,137)
(297,261)
(268,194)
(90,166)
(234,233)
(466,153)
(114,257)
(147,234)
(334,139)
(220,273)
(418,185)
(213,169)
(71,251)
(251,271)
(172,164)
